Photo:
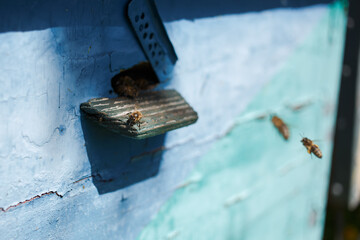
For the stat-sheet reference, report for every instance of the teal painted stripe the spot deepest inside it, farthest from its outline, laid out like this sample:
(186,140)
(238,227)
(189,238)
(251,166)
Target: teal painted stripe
(252,184)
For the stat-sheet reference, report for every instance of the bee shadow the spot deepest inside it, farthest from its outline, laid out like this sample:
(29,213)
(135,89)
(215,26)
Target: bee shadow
(118,162)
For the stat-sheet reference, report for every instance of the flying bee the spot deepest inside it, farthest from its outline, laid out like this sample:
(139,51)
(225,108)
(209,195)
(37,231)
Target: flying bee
(134,118)
(311,147)
(281,126)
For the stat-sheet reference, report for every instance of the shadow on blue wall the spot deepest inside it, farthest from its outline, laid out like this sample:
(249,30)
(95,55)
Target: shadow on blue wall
(117,161)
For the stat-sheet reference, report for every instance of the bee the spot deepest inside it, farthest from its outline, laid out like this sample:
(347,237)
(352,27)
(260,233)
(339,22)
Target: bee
(281,126)
(134,118)
(311,147)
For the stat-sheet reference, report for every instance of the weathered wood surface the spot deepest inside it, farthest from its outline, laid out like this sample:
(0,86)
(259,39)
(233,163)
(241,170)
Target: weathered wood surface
(229,176)
(162,111)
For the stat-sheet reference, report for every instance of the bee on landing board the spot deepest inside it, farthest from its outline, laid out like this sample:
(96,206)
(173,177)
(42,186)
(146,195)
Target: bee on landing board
(281,126)
(311,147)
(134,118)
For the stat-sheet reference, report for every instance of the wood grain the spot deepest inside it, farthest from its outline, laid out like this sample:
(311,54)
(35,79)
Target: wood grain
(162,111)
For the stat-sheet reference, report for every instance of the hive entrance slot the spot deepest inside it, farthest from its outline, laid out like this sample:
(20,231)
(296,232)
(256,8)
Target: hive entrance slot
(130,82)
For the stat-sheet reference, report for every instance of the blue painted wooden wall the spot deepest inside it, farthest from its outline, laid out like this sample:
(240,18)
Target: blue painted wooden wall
(229,176)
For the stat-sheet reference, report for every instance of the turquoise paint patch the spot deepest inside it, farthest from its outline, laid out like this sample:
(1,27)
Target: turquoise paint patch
(252,184)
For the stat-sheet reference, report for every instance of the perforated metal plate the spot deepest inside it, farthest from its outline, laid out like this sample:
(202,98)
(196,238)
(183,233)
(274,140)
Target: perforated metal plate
(162,111)
(152,36)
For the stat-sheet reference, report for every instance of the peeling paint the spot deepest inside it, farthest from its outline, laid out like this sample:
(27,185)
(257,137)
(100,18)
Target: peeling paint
(236,198)
(255,185)
(31,199)
(57,59)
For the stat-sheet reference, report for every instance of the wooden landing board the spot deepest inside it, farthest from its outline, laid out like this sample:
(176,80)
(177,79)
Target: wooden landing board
(162,111)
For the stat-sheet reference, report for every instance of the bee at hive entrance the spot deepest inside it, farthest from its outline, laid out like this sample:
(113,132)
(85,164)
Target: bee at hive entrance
(134,118)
